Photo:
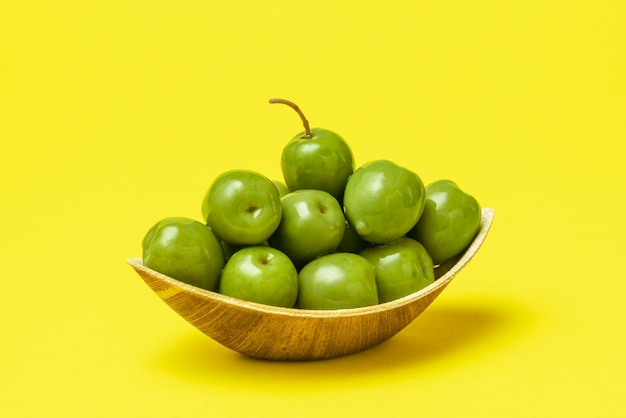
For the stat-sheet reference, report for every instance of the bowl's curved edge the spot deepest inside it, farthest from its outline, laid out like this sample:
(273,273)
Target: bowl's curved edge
(255,318)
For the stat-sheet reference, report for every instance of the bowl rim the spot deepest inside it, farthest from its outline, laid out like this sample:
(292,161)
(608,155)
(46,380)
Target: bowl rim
(487,216)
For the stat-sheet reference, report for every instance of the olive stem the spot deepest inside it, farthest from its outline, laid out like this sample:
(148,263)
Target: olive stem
(307,130)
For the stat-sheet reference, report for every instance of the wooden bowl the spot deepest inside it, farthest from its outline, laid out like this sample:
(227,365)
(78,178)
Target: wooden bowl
(273,333)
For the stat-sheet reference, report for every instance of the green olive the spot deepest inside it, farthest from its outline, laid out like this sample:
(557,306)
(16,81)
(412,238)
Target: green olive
(383,201)
(337,281)
(450,221)
(184,249)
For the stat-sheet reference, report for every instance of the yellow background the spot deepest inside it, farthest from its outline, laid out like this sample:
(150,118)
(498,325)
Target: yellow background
(114,114)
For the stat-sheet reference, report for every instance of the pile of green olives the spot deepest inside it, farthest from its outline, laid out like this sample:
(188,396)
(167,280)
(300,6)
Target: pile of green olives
(329,235)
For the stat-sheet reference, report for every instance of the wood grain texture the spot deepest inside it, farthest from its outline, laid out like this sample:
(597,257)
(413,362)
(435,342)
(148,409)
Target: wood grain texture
(273,333)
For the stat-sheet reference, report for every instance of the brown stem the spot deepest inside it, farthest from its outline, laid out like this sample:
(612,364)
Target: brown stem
(307,130)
